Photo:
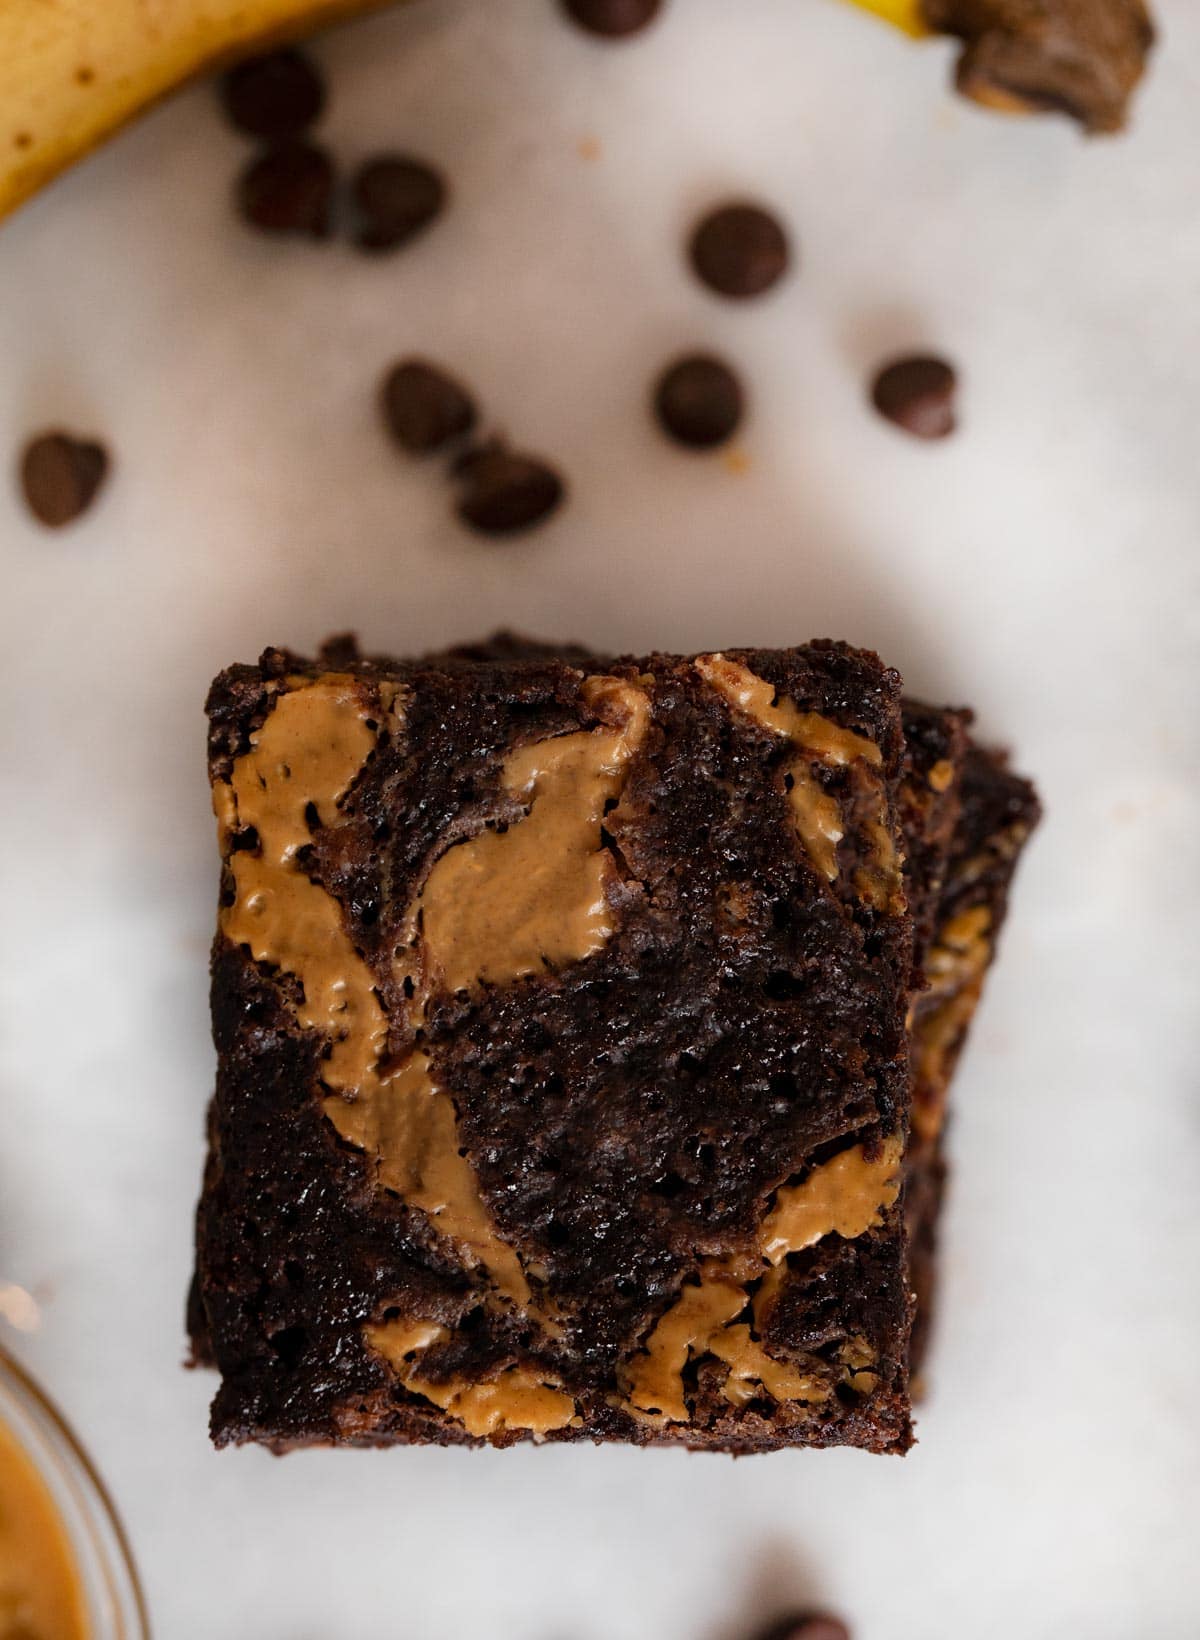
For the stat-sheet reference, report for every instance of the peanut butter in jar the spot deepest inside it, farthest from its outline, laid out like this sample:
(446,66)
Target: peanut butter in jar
(41,1595)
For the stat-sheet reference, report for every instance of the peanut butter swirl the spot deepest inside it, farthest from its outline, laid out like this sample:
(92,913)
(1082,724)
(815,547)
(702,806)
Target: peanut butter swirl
(700,1322)
(493,909)
(817,814)
(307,754)
(956,965)
(308,751)
(409,1125)
(844,1196)
(847,1196)
(517,1398)
(510,903)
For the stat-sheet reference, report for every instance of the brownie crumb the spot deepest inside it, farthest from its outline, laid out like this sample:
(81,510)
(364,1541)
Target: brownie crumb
(288,190)
(918,394)
(396,197)
(612,18)
(699,401)
(505,492)
(740,250)
(60,476)
(273,97)
(1083,58)
(424,408)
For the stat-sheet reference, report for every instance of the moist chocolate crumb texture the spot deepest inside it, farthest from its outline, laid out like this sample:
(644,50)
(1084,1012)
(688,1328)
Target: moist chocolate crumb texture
(563,1070)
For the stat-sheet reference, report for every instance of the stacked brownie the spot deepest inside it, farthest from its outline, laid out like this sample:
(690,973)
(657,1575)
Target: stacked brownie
(584,1027)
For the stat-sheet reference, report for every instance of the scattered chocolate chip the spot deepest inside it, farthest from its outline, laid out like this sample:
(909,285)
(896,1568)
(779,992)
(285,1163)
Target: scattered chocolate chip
(806,1626)
(917,393)
(60,476)
(699,401)
(288,189)
(505,492)
(612,18)
(424,408)
(273,97)
(396,197)
(740,250)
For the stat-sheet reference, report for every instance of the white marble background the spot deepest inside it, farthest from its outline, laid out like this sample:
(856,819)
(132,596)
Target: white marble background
(1044,565)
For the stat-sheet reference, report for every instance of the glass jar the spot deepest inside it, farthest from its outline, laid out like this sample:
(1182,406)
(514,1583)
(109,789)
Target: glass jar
(112,1604)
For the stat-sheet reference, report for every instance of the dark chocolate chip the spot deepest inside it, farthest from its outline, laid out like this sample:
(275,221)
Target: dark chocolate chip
(396,197)
(60,476)
(505,492)
(340,649)
(273,97)
(699,401)
(806,1626)
(917,393)
(425,409)
(288,189)
(740,250)
(612,18)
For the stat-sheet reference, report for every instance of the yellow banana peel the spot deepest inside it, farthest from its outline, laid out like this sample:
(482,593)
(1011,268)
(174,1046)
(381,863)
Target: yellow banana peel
(903,14)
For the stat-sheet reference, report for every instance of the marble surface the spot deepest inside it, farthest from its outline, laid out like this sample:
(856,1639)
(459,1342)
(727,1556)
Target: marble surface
(1043,565)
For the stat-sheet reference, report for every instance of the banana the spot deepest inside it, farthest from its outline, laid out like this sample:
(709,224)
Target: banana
(906,15)
(74,71)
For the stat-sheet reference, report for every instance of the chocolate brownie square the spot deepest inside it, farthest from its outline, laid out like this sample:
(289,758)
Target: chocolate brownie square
(563,1075)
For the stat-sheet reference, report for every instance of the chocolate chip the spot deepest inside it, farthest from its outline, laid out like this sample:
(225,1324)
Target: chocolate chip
(740,250)
(288,189)
(612,18)
(917,393)
(699,401)
(396,197)
(505,492)
(60,476)
(806,1626)
(274,96)
(424,408)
